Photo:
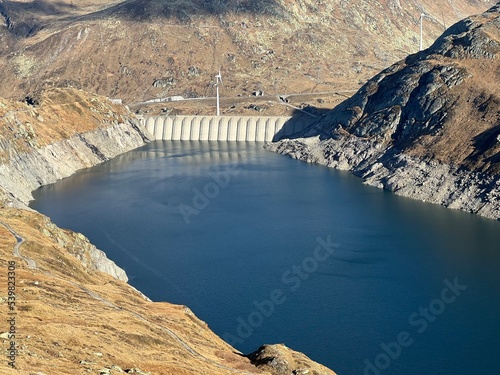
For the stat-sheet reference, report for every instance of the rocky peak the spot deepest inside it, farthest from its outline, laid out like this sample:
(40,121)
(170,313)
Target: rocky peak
(429,93)
(475,37)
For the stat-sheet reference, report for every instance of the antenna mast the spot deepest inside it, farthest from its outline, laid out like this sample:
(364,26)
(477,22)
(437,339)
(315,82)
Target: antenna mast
(422,15)
(218,80)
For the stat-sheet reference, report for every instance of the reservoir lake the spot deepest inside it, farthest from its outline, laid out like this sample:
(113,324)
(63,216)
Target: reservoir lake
(267,249)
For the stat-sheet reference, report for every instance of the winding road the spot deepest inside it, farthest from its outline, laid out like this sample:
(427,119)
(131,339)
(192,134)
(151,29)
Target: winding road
(19,241)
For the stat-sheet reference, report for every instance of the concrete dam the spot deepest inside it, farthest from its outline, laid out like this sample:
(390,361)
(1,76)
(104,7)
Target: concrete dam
(222,128)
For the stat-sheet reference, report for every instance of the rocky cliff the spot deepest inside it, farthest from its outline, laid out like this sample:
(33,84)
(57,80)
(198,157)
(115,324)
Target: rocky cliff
(65,131)
(428,127)
(72,310)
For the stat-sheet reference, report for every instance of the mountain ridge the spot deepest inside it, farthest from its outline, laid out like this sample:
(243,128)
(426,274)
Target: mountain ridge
(310,46)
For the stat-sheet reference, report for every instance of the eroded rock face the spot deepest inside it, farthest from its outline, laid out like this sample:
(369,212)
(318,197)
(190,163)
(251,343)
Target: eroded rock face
(36,150)
(427,127)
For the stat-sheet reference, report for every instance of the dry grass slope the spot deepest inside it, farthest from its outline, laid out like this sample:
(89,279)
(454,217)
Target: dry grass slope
(67,314)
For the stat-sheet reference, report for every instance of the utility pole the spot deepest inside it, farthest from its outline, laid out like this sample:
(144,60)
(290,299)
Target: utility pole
(422,15)
(218,104)
(218,80)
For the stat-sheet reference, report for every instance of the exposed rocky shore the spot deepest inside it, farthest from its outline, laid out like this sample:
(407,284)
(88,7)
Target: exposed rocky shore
(428,127)
(28,171)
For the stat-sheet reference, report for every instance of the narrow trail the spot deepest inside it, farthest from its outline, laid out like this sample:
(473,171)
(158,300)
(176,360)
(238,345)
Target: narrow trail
(31,264)
(168,331)
(19,241)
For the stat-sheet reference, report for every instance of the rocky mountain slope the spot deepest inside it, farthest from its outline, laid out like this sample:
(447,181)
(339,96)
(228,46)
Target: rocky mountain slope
(428,127)
(137,50)
(73,311)
(67,130)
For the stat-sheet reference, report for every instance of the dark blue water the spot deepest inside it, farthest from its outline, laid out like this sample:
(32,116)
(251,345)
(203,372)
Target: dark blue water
(397,286)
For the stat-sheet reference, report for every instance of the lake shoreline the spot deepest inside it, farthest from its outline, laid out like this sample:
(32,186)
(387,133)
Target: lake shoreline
(412,177)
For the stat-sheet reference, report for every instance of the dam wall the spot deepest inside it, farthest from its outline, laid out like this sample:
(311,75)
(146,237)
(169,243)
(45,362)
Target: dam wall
(222,128)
